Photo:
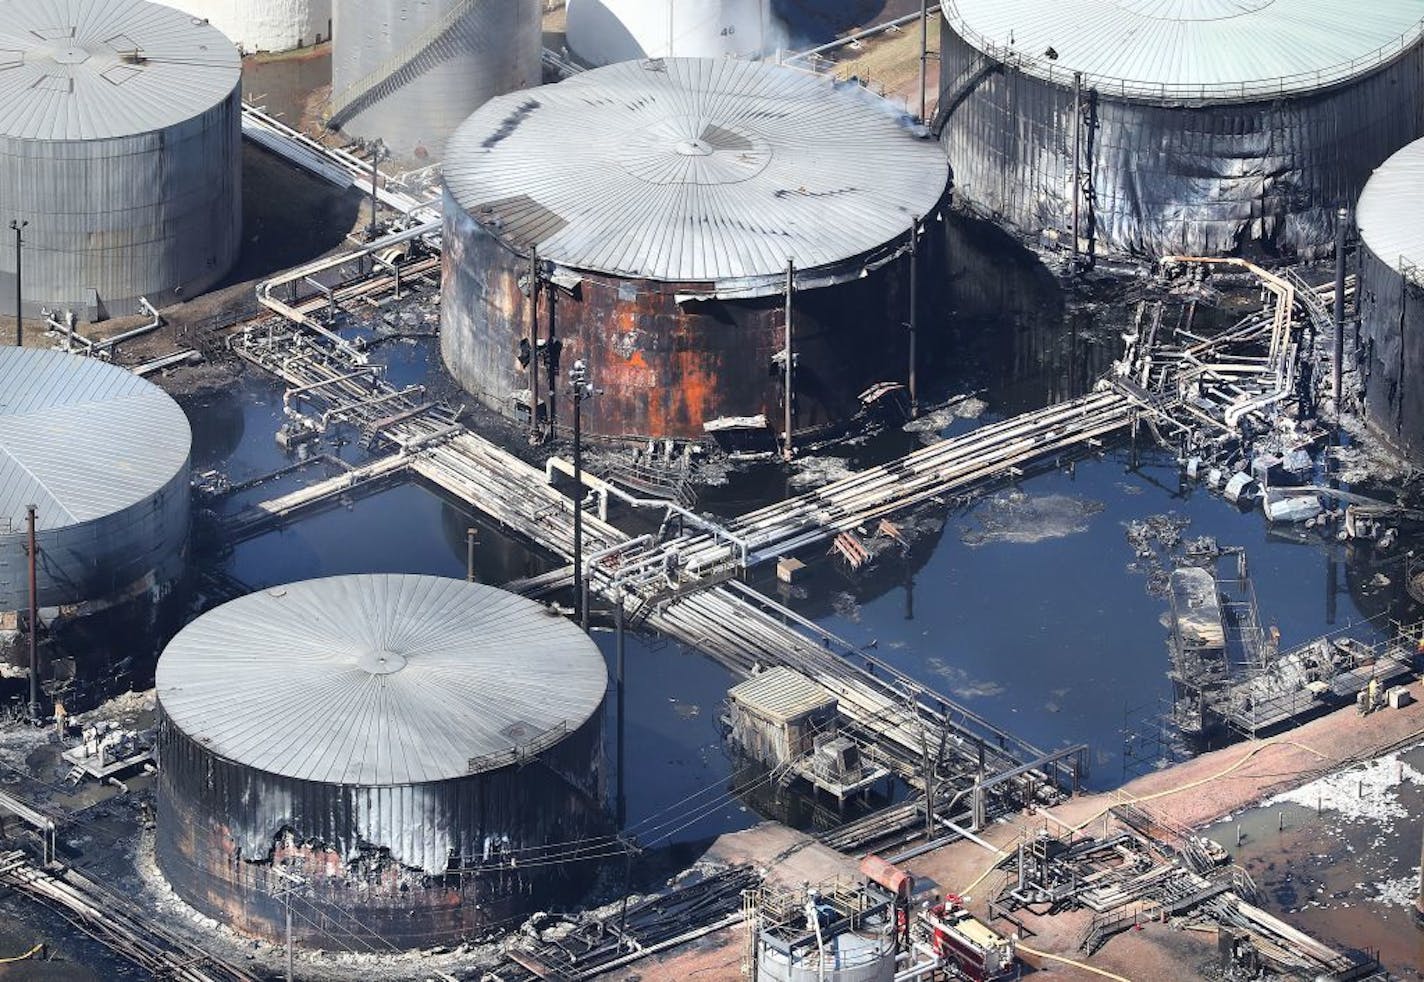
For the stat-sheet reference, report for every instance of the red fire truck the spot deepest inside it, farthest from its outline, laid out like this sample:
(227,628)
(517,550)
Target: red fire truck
(980,953)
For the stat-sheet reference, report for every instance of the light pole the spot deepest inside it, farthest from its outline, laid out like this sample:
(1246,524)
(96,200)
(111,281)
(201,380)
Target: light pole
(378,151)
(33,556)
(19,228)
(581,388)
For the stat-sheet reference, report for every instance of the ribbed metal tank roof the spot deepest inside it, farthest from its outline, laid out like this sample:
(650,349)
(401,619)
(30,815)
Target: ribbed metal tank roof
(81,439)
(1208,49)
(694,170)
(1390,215)
(81,70)
(379,680)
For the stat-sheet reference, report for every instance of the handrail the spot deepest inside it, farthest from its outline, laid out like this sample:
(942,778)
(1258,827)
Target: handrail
(1202,92)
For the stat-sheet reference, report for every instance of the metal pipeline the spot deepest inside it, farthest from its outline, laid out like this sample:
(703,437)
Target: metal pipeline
(718,532)
(411,390)
(312,387)
(151,326)
(66,328)
(266,297)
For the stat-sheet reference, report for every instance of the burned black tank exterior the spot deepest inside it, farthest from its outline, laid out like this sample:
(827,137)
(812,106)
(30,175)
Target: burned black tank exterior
(414,774)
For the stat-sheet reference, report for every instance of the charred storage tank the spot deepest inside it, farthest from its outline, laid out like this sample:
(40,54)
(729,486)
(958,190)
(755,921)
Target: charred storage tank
(1391,299)
(1200,126)
(265,25)
(665,199)
(418,750)
(103,457)
(603,32)
(409,71)
(120,131)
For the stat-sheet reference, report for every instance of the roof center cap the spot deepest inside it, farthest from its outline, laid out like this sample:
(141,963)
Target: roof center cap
(379,661)
(694,148)
(70,55)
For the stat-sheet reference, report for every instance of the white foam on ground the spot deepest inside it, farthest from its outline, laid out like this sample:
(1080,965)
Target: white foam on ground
(1397,893)
(1364,792)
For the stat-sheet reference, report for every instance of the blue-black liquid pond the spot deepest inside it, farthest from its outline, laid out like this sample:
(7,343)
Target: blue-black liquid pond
(1043,624)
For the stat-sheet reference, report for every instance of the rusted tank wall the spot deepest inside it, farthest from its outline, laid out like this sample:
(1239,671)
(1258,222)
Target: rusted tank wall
(1171,177)
(665,368)
(1392,352)
(222,828)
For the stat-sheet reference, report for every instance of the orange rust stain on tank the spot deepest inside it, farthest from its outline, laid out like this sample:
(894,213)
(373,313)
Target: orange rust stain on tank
(697,389)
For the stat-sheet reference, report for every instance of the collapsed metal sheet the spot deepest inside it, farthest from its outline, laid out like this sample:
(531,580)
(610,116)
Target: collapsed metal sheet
(410,865)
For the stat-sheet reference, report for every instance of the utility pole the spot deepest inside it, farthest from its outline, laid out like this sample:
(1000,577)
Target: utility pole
(470,554)
(378,148)
(1337,369)
(19,227)
(582,389)
(788,451)
(924,57)
(292,881)
(630,846)
(34,619)
(914,313)
(1077,163)
(534,345)
(620,806)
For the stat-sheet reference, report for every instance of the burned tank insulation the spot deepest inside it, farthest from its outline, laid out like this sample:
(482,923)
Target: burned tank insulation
(1197,127)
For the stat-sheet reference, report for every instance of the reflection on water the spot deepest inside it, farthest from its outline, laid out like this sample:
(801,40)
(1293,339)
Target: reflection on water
(1046,631)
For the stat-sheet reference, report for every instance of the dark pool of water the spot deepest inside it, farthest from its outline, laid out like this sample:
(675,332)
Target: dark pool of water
(1056,640)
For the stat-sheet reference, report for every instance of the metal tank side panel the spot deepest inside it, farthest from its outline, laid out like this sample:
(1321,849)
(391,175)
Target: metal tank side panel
(156,215)
(265,25)
(666,368)
(405,863)
(602,32)
(1392,352)
(93,560)
(1172,178)
(496,47)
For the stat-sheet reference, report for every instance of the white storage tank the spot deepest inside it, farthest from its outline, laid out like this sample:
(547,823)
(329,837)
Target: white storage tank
(410,746)
(265,25)
(409,71)
(1199,126)
(855,956)
(120,145)
(601,32)
(1391,222)
(104,457)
